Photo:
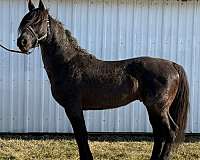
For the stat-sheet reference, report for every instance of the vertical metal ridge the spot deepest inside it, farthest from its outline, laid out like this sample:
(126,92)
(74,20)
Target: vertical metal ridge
(192,61)
(1,77)
(11,85)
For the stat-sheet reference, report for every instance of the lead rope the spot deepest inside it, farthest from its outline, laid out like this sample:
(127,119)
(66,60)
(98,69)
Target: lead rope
(15,51)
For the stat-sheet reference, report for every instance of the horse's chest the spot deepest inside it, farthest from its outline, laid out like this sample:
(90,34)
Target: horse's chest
(62,92)
(60,86)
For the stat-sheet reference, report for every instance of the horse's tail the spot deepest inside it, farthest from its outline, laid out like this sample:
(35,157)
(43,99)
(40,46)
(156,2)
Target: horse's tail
(180,106)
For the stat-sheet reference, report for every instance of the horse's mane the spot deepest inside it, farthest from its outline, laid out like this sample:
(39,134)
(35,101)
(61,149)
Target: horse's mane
(70,38)
(73,42)
(35,17)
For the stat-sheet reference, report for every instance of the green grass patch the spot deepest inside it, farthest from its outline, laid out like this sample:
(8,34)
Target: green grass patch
(103,148)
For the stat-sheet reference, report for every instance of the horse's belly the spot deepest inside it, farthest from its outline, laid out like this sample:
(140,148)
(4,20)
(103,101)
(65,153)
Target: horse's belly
(107,98)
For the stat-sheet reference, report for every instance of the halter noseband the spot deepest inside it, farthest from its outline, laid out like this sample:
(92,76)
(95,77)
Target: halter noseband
(38,39)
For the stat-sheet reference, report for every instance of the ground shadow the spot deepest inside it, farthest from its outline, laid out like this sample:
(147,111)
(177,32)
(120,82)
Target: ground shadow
(92,137)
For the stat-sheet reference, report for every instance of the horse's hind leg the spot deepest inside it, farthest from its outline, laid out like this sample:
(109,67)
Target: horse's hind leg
(169,139)
(168,127)
(163,132)
(75,115)
(158,145)
(166,150)
(169,135)
(158,139)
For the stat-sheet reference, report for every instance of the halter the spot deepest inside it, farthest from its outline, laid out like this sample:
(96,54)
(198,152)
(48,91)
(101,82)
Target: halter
(38,39)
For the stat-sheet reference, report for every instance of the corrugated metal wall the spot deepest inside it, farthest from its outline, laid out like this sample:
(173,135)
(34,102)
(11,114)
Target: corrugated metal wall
(111,29)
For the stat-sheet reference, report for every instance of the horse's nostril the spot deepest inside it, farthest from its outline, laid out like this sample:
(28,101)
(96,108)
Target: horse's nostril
(24,42)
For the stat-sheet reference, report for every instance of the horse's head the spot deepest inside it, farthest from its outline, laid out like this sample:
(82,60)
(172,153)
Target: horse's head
(33,28)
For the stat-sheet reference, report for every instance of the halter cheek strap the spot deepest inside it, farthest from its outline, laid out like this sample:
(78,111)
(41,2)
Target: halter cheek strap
(38,39)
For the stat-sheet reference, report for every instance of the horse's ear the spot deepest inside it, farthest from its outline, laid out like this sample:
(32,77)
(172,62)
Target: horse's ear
(41,5)
(30,5)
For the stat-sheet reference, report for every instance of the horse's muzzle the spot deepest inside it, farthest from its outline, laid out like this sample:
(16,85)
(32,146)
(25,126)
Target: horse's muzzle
(22,44)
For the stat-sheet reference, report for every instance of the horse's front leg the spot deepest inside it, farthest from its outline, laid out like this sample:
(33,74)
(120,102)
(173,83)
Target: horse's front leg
(75,115)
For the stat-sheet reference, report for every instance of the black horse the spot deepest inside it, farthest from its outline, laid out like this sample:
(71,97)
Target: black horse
(80,82)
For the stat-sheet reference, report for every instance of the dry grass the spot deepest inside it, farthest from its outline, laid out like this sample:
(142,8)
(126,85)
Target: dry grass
(103,148)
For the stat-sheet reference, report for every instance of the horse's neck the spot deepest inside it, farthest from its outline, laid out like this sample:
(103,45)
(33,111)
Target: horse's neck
(55,50)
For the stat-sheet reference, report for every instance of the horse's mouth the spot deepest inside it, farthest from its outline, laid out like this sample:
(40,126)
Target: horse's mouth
(24,49)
